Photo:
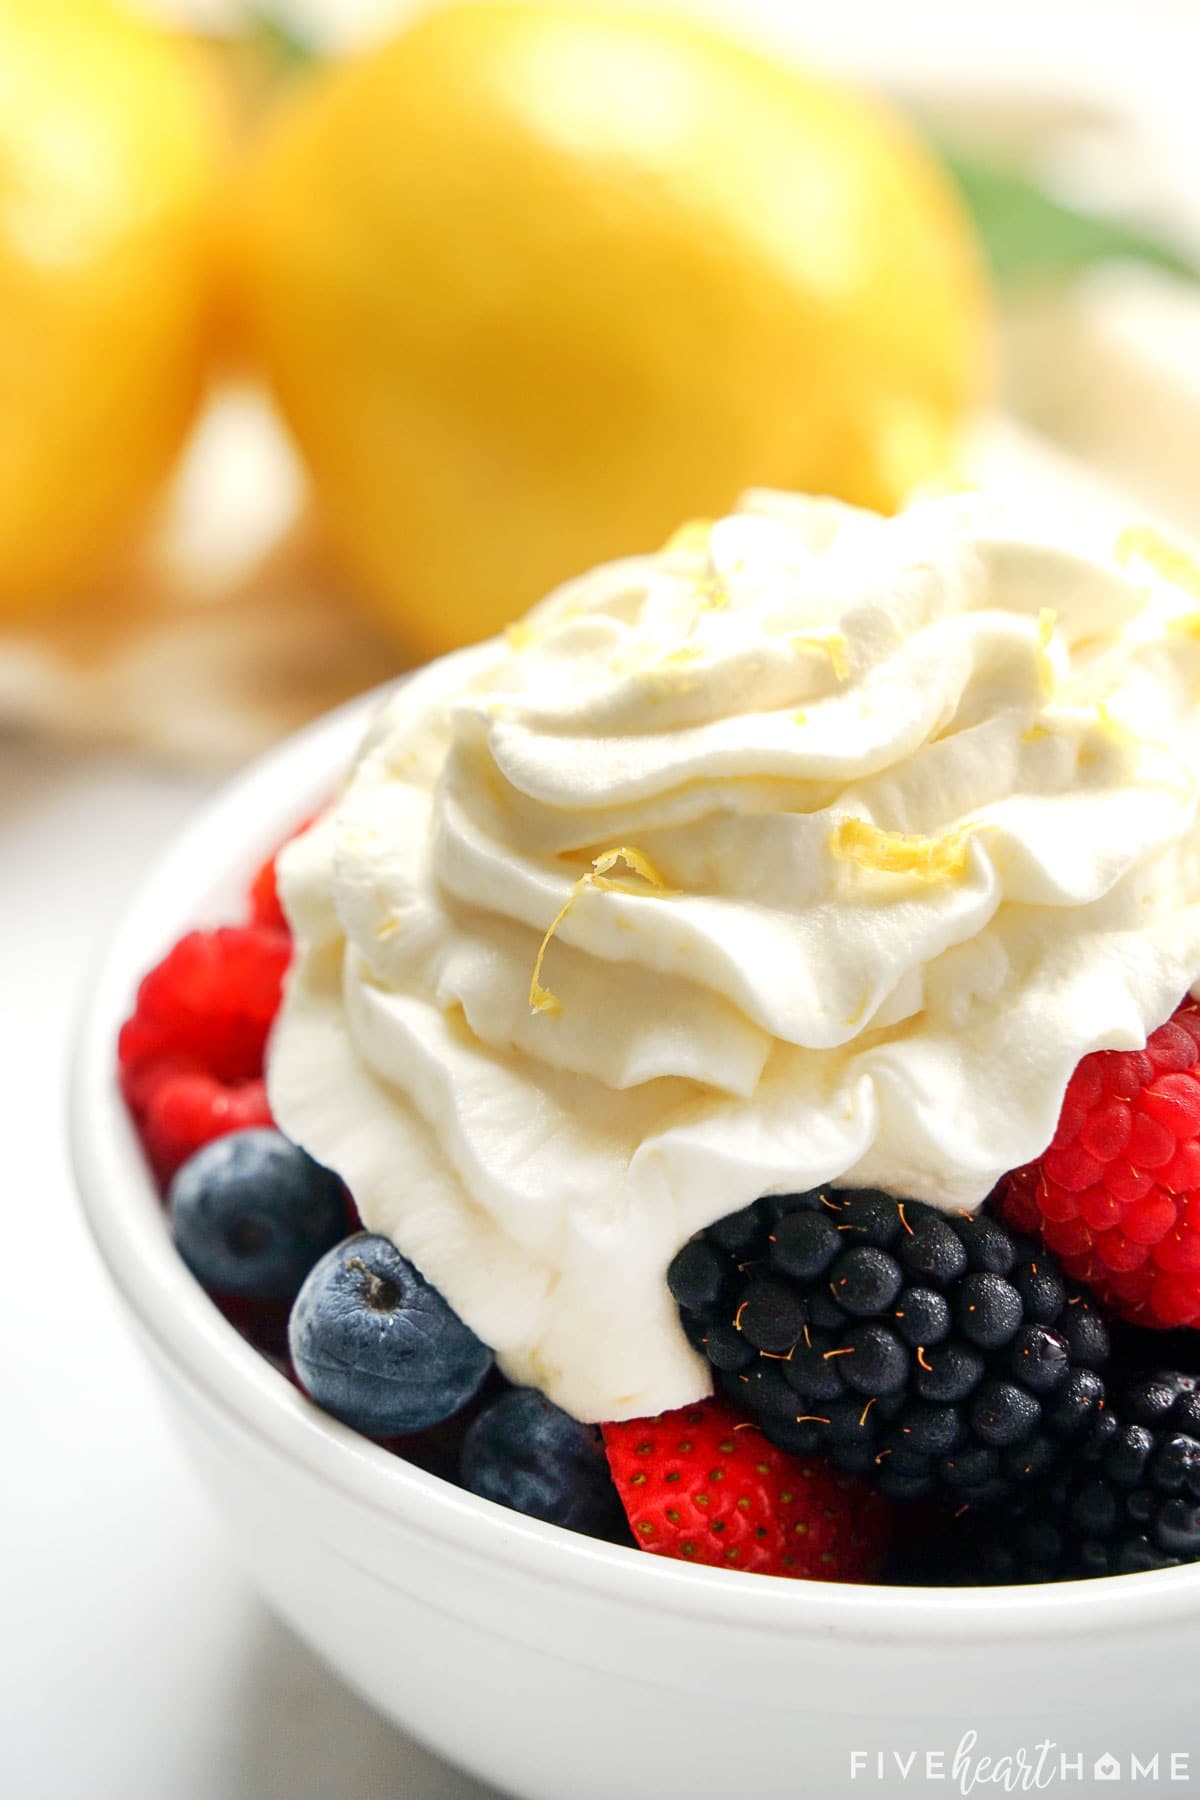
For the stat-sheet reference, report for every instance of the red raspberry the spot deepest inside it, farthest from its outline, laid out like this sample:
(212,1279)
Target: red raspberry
(1117,1194)
(186,1111)
(213,998)
(191,1055)
(703,1484)
(265,908)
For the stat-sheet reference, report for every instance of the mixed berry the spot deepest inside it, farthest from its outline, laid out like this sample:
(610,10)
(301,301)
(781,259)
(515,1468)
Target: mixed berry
(704,1484)
(936,1355)
(1117,1194)
(902,1394)
(379,1348)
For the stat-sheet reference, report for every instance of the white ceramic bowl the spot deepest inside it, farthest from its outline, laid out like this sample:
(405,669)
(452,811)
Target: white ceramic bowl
(552,1666)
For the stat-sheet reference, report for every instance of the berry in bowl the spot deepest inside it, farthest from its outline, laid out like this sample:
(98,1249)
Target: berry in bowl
(668,1205)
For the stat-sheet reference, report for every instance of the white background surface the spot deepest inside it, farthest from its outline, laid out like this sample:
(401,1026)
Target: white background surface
(136,1662)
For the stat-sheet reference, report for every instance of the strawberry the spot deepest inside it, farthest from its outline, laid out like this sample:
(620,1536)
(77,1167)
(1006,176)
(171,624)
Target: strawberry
(704,1485)
(1116,1195)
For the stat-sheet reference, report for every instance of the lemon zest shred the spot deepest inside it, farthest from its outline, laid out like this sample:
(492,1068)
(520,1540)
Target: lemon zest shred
(641,865)
(1186,625)
(686,653)
(1034,733)
(541,1000)
(1169,560)
(896,853)
(833,645)
(800,717)
(519,635)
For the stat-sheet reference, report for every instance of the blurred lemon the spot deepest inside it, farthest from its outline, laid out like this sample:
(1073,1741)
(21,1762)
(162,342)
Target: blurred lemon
(109,141)
(535,283)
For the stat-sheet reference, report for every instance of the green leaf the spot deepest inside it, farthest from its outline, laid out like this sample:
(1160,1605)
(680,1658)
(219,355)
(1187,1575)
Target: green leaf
(1030,237)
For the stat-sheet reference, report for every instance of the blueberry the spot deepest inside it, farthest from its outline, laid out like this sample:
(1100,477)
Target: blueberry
(528,1454)
(251,1214)
(379,1348)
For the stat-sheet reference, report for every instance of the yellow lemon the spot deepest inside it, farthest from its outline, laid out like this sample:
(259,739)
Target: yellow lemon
(534,283)
(110,139)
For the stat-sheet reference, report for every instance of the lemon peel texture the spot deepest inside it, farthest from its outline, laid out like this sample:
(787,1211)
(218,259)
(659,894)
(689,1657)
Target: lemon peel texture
(897,853)
(541,1000)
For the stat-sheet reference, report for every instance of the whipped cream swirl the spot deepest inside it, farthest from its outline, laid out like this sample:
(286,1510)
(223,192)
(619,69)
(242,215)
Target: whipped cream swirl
(817,848)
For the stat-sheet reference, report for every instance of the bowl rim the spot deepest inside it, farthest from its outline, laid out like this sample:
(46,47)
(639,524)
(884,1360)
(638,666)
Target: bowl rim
(232,832)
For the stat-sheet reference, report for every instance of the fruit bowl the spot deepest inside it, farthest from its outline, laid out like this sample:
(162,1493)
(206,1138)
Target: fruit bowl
(542,1661)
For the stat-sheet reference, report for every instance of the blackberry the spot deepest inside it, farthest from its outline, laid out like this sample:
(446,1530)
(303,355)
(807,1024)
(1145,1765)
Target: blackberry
(935,1353)
(1128,1500)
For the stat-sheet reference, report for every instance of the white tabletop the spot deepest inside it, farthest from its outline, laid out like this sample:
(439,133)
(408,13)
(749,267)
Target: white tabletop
(136,1661)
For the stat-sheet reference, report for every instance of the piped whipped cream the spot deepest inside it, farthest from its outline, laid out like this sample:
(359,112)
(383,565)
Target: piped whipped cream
(816,848)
